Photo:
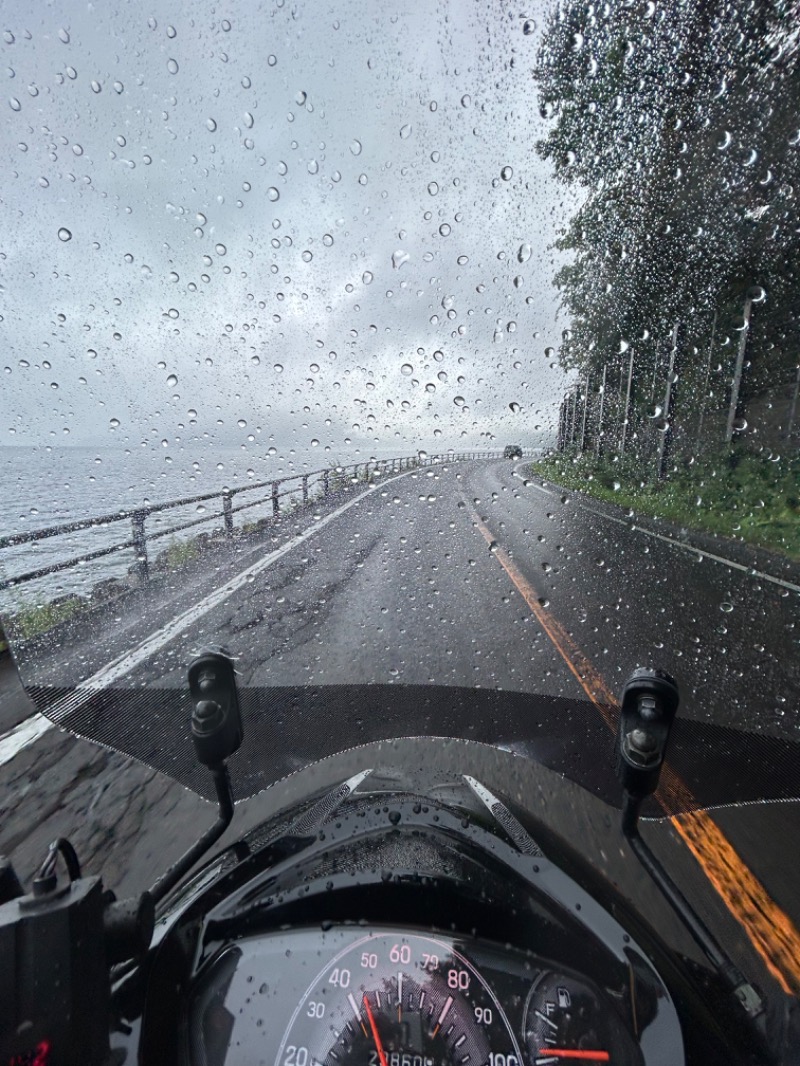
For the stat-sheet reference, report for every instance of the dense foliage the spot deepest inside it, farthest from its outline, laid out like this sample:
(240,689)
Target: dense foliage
(677,127)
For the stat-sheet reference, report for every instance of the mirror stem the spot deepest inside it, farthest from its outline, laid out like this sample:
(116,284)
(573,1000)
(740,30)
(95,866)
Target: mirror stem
(170,877)
(734,979)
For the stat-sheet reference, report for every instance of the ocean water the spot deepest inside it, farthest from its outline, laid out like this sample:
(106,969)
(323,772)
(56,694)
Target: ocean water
(43,487)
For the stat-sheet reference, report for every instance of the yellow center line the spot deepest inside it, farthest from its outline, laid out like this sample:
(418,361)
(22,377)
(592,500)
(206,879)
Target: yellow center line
(770,930)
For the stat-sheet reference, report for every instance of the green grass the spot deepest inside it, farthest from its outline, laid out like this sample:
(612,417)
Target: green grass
(178,553)
(734,494)
(33,619)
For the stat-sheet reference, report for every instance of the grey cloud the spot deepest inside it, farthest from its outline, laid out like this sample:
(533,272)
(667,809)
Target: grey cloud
(247,297)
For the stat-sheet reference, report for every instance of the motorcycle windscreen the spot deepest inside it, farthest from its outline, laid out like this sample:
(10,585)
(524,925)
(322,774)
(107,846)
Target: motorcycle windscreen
(289,727)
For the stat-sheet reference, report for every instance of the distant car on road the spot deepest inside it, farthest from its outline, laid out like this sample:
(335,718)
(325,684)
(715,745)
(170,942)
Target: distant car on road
(512,451)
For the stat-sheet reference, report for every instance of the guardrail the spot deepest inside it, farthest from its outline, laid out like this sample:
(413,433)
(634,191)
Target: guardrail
(322,479)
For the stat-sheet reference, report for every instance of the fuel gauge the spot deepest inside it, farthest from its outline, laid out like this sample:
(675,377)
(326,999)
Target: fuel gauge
(566,1021)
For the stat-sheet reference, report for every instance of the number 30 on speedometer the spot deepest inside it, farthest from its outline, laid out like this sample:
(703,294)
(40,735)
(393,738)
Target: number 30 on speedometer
(391,1000)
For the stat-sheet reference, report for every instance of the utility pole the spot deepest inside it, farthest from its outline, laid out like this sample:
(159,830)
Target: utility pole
(574,421)
(562,426)
(585,411)
(704,391)
(737,372)
(665,435)
(626,412)
(598,446)
(656,364)
(793,407)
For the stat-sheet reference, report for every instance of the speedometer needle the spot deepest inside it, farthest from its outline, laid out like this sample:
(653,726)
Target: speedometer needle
(374,1028)
(567,1053)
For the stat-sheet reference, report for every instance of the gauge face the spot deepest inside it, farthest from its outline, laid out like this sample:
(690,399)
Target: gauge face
(392,1000)
(566,1021)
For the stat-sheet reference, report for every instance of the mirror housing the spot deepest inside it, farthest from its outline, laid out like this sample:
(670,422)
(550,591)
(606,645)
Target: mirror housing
(649,703)
(216,719)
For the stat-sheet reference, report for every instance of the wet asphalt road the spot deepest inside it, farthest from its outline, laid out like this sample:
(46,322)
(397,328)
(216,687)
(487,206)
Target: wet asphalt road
(403,587)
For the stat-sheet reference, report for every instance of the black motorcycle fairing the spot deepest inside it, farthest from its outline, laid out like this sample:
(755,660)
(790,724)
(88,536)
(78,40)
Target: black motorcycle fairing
(414,860)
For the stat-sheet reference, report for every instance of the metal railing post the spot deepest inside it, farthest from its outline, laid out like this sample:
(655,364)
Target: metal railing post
(325,482)
(305,488)
(227,512)
(276,506)
(140,546)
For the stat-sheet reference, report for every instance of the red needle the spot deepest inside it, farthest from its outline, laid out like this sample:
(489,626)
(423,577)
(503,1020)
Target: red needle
(565,1053)
(374,1028)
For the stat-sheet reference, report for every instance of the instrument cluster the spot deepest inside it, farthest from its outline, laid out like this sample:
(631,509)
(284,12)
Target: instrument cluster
(380,996)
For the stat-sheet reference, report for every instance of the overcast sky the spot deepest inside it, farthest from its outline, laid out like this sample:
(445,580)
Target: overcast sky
(316,224)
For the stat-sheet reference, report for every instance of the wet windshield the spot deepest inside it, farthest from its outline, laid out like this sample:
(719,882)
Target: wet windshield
(438,362)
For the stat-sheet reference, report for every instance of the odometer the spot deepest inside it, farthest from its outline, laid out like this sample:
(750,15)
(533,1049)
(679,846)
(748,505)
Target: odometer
(398,1000)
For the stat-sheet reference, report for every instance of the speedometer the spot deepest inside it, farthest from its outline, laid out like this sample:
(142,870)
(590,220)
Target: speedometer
(398,1000)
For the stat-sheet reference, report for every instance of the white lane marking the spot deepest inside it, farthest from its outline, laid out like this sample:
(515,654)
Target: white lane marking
(12,743)
(21,736)
(680,544)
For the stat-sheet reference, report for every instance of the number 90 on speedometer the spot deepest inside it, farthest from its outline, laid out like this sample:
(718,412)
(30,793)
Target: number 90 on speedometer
(399,1000)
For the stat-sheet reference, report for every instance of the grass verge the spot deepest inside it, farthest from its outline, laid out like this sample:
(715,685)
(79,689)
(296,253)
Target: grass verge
(177,554)
(733,494)
(33,619)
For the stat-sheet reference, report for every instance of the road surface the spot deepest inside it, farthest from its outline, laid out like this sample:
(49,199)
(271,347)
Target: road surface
(468,577)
